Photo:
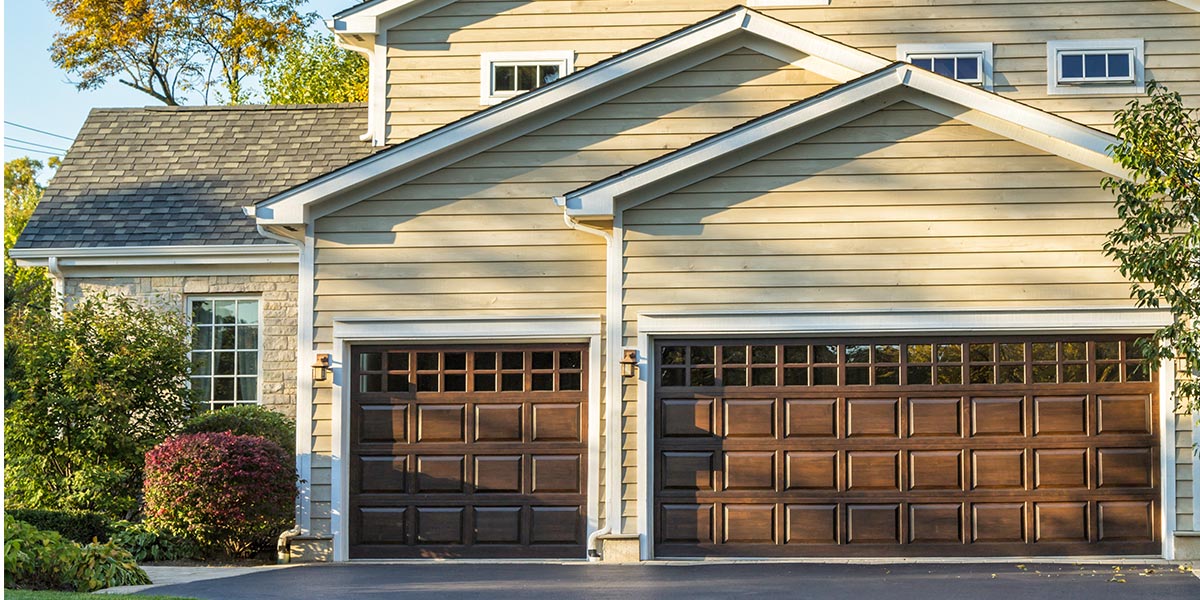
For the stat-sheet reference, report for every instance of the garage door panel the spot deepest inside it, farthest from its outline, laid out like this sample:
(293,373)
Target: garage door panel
(687,418)
(935,470)
(922,447)
(934,417)
(872,418)
(1124,414)
(468,451)
(812,418)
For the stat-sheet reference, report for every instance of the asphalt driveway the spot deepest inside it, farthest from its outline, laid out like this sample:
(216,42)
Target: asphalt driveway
(442,581)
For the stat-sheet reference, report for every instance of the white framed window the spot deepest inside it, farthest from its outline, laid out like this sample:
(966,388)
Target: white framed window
(226,350)
(503,75)
(1095,67)
(967,62)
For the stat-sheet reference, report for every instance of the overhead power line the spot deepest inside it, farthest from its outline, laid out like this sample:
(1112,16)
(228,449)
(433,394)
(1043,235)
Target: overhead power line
(29,143)
(33,150)
(69,139)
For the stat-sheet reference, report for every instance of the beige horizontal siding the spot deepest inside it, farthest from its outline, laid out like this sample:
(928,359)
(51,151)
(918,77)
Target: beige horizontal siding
(1185,517)
(482,237)
(902,208)
(433,64)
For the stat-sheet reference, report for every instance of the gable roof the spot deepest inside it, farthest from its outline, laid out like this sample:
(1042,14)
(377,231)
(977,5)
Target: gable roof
(575,92)
(895,83)
(172,176)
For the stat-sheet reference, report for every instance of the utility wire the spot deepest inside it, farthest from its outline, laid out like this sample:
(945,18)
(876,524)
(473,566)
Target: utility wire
(69,139)
(33,150)
(28,143)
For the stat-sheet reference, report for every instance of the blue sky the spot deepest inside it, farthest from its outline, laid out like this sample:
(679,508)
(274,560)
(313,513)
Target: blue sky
(38,95)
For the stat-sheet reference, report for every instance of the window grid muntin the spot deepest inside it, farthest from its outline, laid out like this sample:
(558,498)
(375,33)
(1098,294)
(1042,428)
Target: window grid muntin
(226,342)
(542,69)
(468,370)
(925,362)
(1128,53)
(957,60)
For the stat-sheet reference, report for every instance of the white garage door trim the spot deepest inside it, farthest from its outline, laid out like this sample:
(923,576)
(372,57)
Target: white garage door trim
(434,330)
(1007,321)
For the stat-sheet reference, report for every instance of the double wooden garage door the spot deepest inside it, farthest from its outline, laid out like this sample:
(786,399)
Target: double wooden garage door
(468,451)
(905,447)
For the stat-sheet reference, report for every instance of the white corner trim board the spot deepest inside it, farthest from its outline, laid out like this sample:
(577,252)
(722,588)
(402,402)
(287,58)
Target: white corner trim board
(894,83)
(652,327)
(433,330)
(479,131)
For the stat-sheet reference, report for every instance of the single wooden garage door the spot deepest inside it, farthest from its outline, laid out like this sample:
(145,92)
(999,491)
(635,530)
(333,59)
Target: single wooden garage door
(474,451)
(905,447)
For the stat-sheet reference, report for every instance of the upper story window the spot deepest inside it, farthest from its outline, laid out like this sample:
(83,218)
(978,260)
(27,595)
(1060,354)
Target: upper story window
(226,350)
(968,62)
(507,74)
(1095,67)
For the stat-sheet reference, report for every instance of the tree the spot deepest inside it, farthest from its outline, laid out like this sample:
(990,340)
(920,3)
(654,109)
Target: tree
(89,392)
(167,47)
(23,286)
(240,36)
(140,42)
(312,69)
(1157,245)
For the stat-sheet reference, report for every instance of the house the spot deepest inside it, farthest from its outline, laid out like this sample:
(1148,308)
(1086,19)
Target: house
(635,279)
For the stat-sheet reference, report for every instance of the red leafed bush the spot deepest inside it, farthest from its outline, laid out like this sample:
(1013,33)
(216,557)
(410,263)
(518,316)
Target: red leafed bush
(229,492)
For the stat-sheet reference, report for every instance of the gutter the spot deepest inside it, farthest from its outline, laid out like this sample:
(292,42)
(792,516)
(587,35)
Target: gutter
(612,383)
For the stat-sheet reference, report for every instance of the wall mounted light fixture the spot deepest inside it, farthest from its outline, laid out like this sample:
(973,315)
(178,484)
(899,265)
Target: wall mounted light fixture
(629,363)
(320,367)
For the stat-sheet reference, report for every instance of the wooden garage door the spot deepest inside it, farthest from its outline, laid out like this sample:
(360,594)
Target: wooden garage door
(475,451)
(905,447)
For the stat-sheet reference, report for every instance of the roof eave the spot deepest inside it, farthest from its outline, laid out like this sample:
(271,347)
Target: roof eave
(1037,128)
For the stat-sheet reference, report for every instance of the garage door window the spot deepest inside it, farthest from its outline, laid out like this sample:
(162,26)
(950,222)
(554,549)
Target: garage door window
(889,363)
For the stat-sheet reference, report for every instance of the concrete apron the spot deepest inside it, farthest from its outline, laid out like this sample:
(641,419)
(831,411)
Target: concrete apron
(172,575)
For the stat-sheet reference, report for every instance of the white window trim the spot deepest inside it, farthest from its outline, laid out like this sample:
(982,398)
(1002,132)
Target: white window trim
(1055,47)
(456,330)
(782,3)
(651,327)
(187,303)
(564,58)
(983,49)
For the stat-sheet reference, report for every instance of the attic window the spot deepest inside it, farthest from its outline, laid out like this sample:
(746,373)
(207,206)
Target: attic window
(968,62)
(504,75)
(1095,67)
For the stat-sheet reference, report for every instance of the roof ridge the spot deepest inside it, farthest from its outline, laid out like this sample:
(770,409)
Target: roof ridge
(234,108)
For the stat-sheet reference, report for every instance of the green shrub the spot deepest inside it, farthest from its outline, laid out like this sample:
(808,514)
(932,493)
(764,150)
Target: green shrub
(87,395)
(152,545)
(247,419)
(78,526)
(43,560)
(233,493)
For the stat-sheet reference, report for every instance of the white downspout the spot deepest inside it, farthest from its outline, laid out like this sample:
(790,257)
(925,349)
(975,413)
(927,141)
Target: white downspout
(612,396)
(60,284)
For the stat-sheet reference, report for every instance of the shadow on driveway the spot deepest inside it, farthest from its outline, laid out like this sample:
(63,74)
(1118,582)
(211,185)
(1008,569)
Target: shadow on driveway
(691,582)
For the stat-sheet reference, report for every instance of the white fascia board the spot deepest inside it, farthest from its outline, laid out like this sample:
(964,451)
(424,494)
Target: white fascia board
(290,207)
(365,18)
(898,321)
(452,328)
(157,255)
(1192,4)
(1010,118)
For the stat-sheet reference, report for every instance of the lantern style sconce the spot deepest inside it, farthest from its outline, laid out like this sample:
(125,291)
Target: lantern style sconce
(320,367)
(629,363)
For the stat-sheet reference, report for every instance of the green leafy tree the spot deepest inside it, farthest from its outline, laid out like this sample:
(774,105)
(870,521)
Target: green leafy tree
(240,36)
(23,286)
(167,47)
(141,43)
(1157,245)
(312,69)
(91,390)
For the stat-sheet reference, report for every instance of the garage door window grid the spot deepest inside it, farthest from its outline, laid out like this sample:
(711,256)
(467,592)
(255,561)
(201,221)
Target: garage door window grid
(934,362)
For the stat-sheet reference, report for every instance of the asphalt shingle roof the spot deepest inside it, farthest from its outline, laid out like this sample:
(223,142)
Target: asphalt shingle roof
(162,176)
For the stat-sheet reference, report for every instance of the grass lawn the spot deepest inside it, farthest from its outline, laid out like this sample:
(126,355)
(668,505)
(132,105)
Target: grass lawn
(26,595)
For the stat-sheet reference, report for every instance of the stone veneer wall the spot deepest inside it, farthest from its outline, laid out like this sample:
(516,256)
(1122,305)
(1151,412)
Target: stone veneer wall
(278,294)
